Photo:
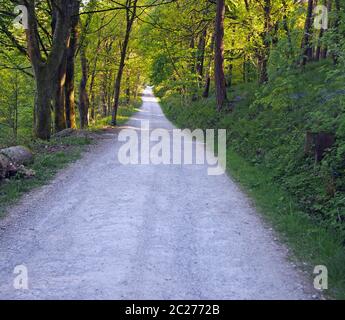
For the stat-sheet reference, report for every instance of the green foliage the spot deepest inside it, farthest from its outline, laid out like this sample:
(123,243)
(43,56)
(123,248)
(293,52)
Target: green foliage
(268,127)
(161,70)
(16,101)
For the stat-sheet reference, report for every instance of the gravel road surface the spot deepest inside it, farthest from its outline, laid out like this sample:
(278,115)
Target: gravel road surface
(103,230)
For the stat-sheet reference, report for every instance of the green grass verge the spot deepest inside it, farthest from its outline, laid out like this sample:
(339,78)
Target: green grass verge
(124,113)
(311,243)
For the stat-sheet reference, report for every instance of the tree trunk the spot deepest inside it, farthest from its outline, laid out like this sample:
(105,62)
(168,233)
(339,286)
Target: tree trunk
(324,49)
(194,55)
(219,56)
(128,88)
(264,55)
(70,71)
(137,84)
(91,90)
(128,84)
(104,94)
(15,115)
(319,49)
(59,99)
(308,29)
(44,90)
(70,93)
(246,62)
(83,96)
(118,87)
(206,92)
(46,70)
(130,17)
(201,55)
(93,77)
(84,102)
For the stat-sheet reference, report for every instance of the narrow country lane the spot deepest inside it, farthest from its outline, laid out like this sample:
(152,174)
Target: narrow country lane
(102,230)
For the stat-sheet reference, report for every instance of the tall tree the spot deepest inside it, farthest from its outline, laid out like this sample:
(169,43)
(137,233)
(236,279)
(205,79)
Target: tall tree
(208,69)
(265,52)
(201,54)
(46,70)
(308,31)
(220,82)
(59,97)
(84,101)
(131,13)
(70,69)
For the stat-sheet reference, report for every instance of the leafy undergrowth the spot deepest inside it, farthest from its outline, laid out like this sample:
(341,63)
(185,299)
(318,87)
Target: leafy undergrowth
(266,135)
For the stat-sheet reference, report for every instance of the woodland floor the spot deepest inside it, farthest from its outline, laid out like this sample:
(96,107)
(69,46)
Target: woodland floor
(102,230)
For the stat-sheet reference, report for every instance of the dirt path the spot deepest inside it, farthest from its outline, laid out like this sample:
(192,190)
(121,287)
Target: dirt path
(102,230)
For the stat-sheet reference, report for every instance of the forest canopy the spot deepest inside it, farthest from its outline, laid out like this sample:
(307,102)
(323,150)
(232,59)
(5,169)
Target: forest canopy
(57,57)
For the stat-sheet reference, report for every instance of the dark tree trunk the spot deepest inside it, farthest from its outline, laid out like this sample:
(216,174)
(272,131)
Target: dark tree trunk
(91,90)
(245,56)
(83,95)
(320,46)
(193,58)
(46,70)
(206,92)
(43,106)
(128,87)
(130,17)
(104,95)
(84,102)
(70,70)
(93,75)
(319,49)
(137,84)
(317,144)
(265,54)
(220,83)
(201,55)
(324,50)
(69,90)
(308,30)
(118,85)
(59,99)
